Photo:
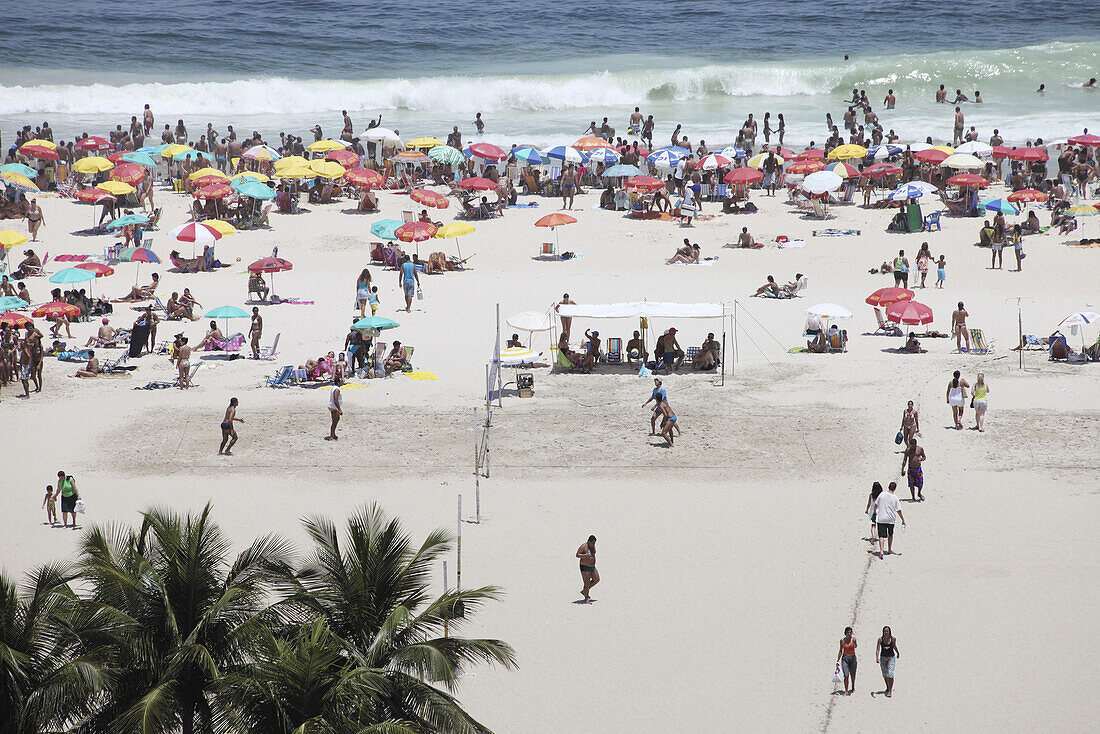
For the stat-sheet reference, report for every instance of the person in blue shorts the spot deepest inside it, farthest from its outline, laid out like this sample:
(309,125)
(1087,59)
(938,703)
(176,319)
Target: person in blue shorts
(658,396)
(669,421)
(410,280)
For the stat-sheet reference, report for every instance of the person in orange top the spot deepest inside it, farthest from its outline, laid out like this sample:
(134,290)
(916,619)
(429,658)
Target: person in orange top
(846,656)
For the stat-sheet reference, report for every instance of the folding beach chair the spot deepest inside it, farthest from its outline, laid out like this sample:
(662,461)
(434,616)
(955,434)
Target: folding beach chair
(564,363)
(721,191)
(836,341)
(978,343)
(818,207)
(889,328)
(690,356)
(271,351)
(614,353)
(548,251)
(281,377)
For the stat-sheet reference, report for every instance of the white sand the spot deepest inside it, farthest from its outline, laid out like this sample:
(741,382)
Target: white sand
(732,563)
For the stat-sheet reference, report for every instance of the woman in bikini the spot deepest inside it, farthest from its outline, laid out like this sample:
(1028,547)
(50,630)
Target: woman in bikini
(35,220)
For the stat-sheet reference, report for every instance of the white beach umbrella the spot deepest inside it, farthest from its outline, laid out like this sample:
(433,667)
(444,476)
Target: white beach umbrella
(918,147)
(381,135)
(963,161)
(821,182)
(732,151)
(1079,320)
(530,321)
(829,311)
(975,147)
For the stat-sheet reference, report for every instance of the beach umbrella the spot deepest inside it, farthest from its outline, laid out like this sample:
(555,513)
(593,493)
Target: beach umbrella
(295,172)
(1085,139)
(99,269)
(785,153)
(139,255)
(758,160)
(962,161)
(345,157)
(41,152)
(530,321)
(18,180)
(424,143)
(9,238)
(39,143)
(386,228)
(889,296)
(591,142)
(8,303)
(378,323)
(68,276)
(323,146)
(1026,195)
(732,152)
(327,169)
(169,151)
(845,152)
(668,157)
(1000,152)
(17,320)
(477,184)
(290,161)
(381,135)
(968,179)
(908,191)
(249,174)
(366,177)
(1078,320)
(208,172)
(1082,211)
(743,176)
(886,150)
(263,153)
(153,149)
(117,188)
(567,154)
(192,155)
(555,220)
(226,312)
(446,155)
(643,152)
(804,166)
(644,183)
(254,189)
(713,162)
(126,220)
(811,154)
(488,151)
(92,195)
(429,198)
(844,170)
(910,313)
(410,157)
(931,155)
(622,170)
(222,226)
(606,156)
(415,232)
(92,143)
(21,168)
(56,309)
(829,311)
(945,148)
(530,156)
(822,182)
(196,233)
(130,173)
(453,231)
(880,170)
(1027,154)
(93,164)
(975,147)
(207,181)
(138,158)
(216,190)
(999,205)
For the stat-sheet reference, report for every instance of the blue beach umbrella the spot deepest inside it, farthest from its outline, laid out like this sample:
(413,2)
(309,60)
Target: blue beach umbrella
(252,188)
(906,192)
(667,157)
(140,158)
(730,151)
(127,219)
(606,156)
(529,156)
(153,149)
(386,228)
(622,170)
(881,152)
(567,154)
(69,276)
(375,322)
(192,155)
(19,168)
(999,205)
(10,303)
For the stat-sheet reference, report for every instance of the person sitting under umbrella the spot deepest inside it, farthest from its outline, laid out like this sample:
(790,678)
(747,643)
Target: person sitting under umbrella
(257,285)
(214,334)
(396,359)
(144,292)
(912,345)
(514,342)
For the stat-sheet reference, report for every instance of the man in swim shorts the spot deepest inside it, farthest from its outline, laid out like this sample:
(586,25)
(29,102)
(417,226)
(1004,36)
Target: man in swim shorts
(589,575)
(658,395)
(229,433)
(914,456)
(568,186)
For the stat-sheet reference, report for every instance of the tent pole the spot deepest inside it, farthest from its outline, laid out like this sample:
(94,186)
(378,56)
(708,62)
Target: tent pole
(733,369)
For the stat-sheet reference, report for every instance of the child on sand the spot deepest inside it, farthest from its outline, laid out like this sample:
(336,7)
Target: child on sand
(373,299)
(50,503)
(941,271)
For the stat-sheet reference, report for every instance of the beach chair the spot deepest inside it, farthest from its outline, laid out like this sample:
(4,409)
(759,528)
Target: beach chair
(1031,343)
(930,221)
(836,341)
(689,358)
(564,363)
(889,328)
(112,366)
(1059,347)
(232,344)
(530,186)
(614,353)
(190,375)
(271,351)
(408,217)
(978,343)
(721,191)
(849,191)
(33,272)
(799,286)
(281,377)
(548,252)
(803,203)
(263,218)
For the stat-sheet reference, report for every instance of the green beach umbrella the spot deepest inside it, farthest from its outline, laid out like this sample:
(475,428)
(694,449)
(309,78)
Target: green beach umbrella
(140,158)
(379,323)
(252,188)
(19,168)
(69,276)
(126,220)
(386,228)
(192,155)
(446,154)
(226,312)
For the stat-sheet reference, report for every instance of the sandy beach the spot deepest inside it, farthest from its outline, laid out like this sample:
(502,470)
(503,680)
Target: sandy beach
(731,563)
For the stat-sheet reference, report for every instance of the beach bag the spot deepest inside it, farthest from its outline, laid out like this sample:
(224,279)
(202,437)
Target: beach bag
(837,677)
(898,438)
(419,294)
(643,372)
(79,507)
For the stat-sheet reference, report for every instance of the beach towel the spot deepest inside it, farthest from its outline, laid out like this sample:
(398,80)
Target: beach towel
(570,256)
(80,355)
(706,261)
(71,258)
(156,386)
(529,205)
(788,244)
(421,376)
(798,350)
(833,232)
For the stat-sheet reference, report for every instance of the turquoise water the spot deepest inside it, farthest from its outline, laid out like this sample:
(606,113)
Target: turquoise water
(540,72)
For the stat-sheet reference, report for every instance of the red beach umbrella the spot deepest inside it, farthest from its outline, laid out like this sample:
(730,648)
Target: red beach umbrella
(968,179)
(365,177)
(713,162)
(478,183)
(1027,154)
(805,166)
(889,296)
(1027,195)
(92,143)
(39,151)
(644,183)
(430,198)
(556,219)
(99,269)
(14,319)
(488,151)
(641,151)
(270,265)
(1086,139)
(93,196)
(415,231)
(881,170)
(56,309)
(346,158)
(1000,152)
(811,154)
(743,176)
(930,156)
(215,190)
(785,153)
(910,313)
(131,173)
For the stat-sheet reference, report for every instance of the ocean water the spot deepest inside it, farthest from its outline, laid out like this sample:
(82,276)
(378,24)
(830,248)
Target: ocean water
(540,72)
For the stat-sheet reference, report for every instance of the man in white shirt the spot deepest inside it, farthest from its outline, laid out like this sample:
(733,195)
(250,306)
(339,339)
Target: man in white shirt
(336,406)
(887,510)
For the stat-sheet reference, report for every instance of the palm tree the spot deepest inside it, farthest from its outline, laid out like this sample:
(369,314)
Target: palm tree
(373,594)
(49,671)
(191,612)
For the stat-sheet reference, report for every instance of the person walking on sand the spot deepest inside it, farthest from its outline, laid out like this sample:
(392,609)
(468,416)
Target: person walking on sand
(958,327)
(66,487)
(914,457)
(568,186)
(910,423)
(229,433)
(956,397)
(255,331)
(589,575)
(658,396)
(887,652)
(669,421)
(887,511)
(35,219)
(335,406)
(871,509)
(980,402)
(846,657)
(410,281)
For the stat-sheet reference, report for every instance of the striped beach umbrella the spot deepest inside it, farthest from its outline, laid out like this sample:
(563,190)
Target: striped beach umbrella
(530,156)
(713,162)
(261,153)
(447,155)
(606,156)
(567,154)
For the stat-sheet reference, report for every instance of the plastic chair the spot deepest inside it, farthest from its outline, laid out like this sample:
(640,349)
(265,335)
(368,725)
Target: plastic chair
(930,221)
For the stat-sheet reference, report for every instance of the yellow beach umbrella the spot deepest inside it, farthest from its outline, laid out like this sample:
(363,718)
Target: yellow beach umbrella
(290,161)
(323,146)
(173,150)
(945,148)
(251,174)
(327,169)
(18,180)
(40,143)
(297,172)
(212,172)
(758,160)
(424,143)
(118,188)
(844,152)
(10,238)
(93,164)
(225,228)
(454,229)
